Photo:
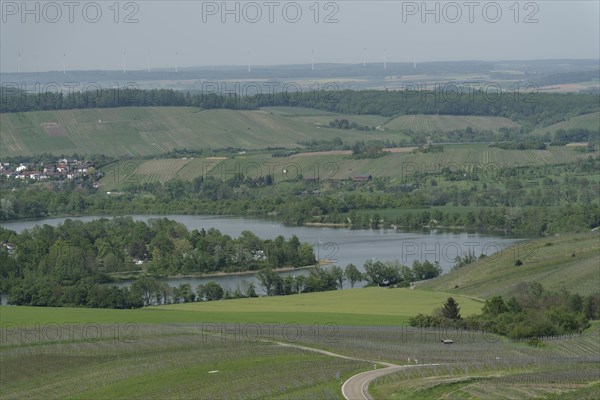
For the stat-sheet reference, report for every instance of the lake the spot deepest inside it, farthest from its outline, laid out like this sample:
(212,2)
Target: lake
(341,245)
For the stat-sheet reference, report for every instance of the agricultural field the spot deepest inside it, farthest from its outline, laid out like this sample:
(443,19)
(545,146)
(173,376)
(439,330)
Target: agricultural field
(332,166)
(549,379)
(87,353)
(137,131)
(586,121)
(446,123)
(368,306)
(296,111)
(565,261)
(168,361)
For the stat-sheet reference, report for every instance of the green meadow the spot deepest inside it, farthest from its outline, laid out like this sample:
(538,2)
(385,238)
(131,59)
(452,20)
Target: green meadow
(367,306)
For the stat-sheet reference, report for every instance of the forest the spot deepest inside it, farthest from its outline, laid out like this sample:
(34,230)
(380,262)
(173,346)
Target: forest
(77,256)
(532,108)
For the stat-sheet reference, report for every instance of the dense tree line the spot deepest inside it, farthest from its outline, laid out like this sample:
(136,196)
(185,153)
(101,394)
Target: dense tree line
(531,312)
(516,200)
(533,108)
(508,215)
(576,135)
(377,273)
(76,256)
(345,124)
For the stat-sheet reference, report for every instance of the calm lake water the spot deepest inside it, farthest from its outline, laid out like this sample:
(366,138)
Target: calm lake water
(342,245)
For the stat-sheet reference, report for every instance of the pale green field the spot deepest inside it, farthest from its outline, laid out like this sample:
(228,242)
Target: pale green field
(365,301)
(155,130)
(368,306)
(445,123)
(586,121)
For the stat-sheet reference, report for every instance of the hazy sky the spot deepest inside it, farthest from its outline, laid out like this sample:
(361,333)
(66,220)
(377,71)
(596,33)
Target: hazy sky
(94,35)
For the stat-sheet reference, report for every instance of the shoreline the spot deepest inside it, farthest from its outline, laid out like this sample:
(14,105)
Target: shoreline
(491,231)
(133,276)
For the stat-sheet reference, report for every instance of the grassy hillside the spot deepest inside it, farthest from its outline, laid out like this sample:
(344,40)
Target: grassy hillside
(586,121)
(155,130)
(445,123)
(569,261)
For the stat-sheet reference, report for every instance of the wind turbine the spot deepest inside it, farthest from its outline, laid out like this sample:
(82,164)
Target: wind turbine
(364,56)
(124,55)
(414,58)
(249,66)
(19,62)
(64,63)
(384,58)
(176,67)
(148,60)
(312,60)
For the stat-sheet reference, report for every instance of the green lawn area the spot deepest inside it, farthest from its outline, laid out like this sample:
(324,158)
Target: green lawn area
(368,306)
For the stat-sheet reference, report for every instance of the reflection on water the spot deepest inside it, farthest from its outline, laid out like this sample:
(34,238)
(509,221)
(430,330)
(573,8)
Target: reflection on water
(342,245)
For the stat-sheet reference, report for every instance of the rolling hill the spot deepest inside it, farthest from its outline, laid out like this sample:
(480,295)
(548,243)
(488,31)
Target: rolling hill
(566,261)
(142,131)
(446,123)
(586,121)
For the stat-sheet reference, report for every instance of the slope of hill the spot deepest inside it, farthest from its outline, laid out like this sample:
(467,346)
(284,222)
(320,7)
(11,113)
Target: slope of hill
(566,261)
(326,165)
(140,131)
(445,123)
(586,121)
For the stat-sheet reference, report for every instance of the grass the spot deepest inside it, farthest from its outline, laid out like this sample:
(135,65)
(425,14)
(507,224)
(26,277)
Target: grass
(589,121)
(368,306)
(549,261)
(446,123)
(509,383)
(141,131)
(172,364)
(174,355)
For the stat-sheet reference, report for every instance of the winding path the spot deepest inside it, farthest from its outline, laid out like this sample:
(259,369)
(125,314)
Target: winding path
(357,387)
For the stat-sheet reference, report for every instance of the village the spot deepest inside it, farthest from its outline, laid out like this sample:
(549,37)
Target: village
(57,170)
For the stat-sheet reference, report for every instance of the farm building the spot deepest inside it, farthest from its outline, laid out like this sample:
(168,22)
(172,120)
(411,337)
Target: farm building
(360,178)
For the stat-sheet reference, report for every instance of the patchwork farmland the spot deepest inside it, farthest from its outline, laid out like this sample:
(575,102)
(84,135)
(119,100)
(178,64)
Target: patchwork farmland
(330,166)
